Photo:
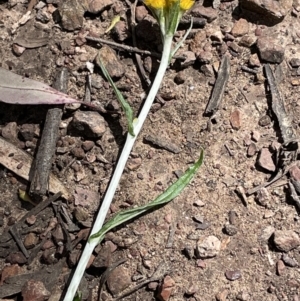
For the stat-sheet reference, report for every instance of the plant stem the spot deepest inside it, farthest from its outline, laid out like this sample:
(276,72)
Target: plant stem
(90,245)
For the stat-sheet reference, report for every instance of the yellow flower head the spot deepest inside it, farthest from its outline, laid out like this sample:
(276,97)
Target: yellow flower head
(160,4)
(156,4)
(186,4)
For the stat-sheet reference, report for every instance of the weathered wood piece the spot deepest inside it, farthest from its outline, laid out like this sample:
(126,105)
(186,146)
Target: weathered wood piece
(285,125)
(42,164)
(219,88)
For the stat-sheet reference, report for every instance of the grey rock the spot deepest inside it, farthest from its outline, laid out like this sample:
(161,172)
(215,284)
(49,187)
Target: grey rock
(269,50)
(286,240)
(90,124)
(208,248)
(272,11)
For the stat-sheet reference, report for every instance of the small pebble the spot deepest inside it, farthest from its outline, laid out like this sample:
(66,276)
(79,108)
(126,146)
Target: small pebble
(280,267)
(233,275)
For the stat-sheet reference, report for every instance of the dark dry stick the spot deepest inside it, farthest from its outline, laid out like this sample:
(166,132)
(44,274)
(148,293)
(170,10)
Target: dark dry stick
(160,272)
(43,161)
(287,131)
(218,91)
(15,234)
(294,195)
(129,48)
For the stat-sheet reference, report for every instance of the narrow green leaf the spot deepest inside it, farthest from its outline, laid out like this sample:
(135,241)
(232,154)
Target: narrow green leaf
(173,191)
(125,105)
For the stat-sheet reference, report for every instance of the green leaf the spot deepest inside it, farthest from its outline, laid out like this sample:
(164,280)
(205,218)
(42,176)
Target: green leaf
(125,105)
(173,191)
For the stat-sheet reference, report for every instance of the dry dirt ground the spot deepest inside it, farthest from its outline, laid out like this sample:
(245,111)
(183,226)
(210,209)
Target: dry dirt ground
(255,255)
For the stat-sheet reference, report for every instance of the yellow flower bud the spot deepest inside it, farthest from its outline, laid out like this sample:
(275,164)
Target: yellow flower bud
(186,4)
(156,4)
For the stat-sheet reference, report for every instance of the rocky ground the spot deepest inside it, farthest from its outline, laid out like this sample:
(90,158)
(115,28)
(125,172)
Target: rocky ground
(233,234)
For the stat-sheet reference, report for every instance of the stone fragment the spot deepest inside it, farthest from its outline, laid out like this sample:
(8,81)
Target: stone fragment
(235,119)
(208,13)
(17,49)
(251,151)
(222,295)
(264,120)
(34,290)
(280,267)
(269,50)
(234,47)
(192,289)
(265,160)
(230,229)
(294,172)
(111,62)
(189,60)
(208,248)
(9,271)
(30,240)
(295,62)
(266,233)
(291,262)
(247,41)
(10,131)
(121,31)
(179,78)
(89,124)
(263,197)
(118,280)
(286,240)
(216,36)
(29,131)
(58,235)
(88,145)
(233,275)
(16,257)
(96,6)
(166,289)
(270,11)
(256,136)
(140,13)
(240,28)
(205,57)
(207,70)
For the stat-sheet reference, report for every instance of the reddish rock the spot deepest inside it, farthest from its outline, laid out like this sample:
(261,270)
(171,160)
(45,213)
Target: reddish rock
(208,13)
(280,267)
(251,151)
(9,271)
(265,160)
(295,173)
(90,124)
(118,280)
(240,28)
(166,289)
(286,240)
(269,50)
(235,119)
(18,50)
(34,290)
(140,13)
(30,240)
(111,62)
(121,31)
(247,41)
(255,136)
(16,257)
